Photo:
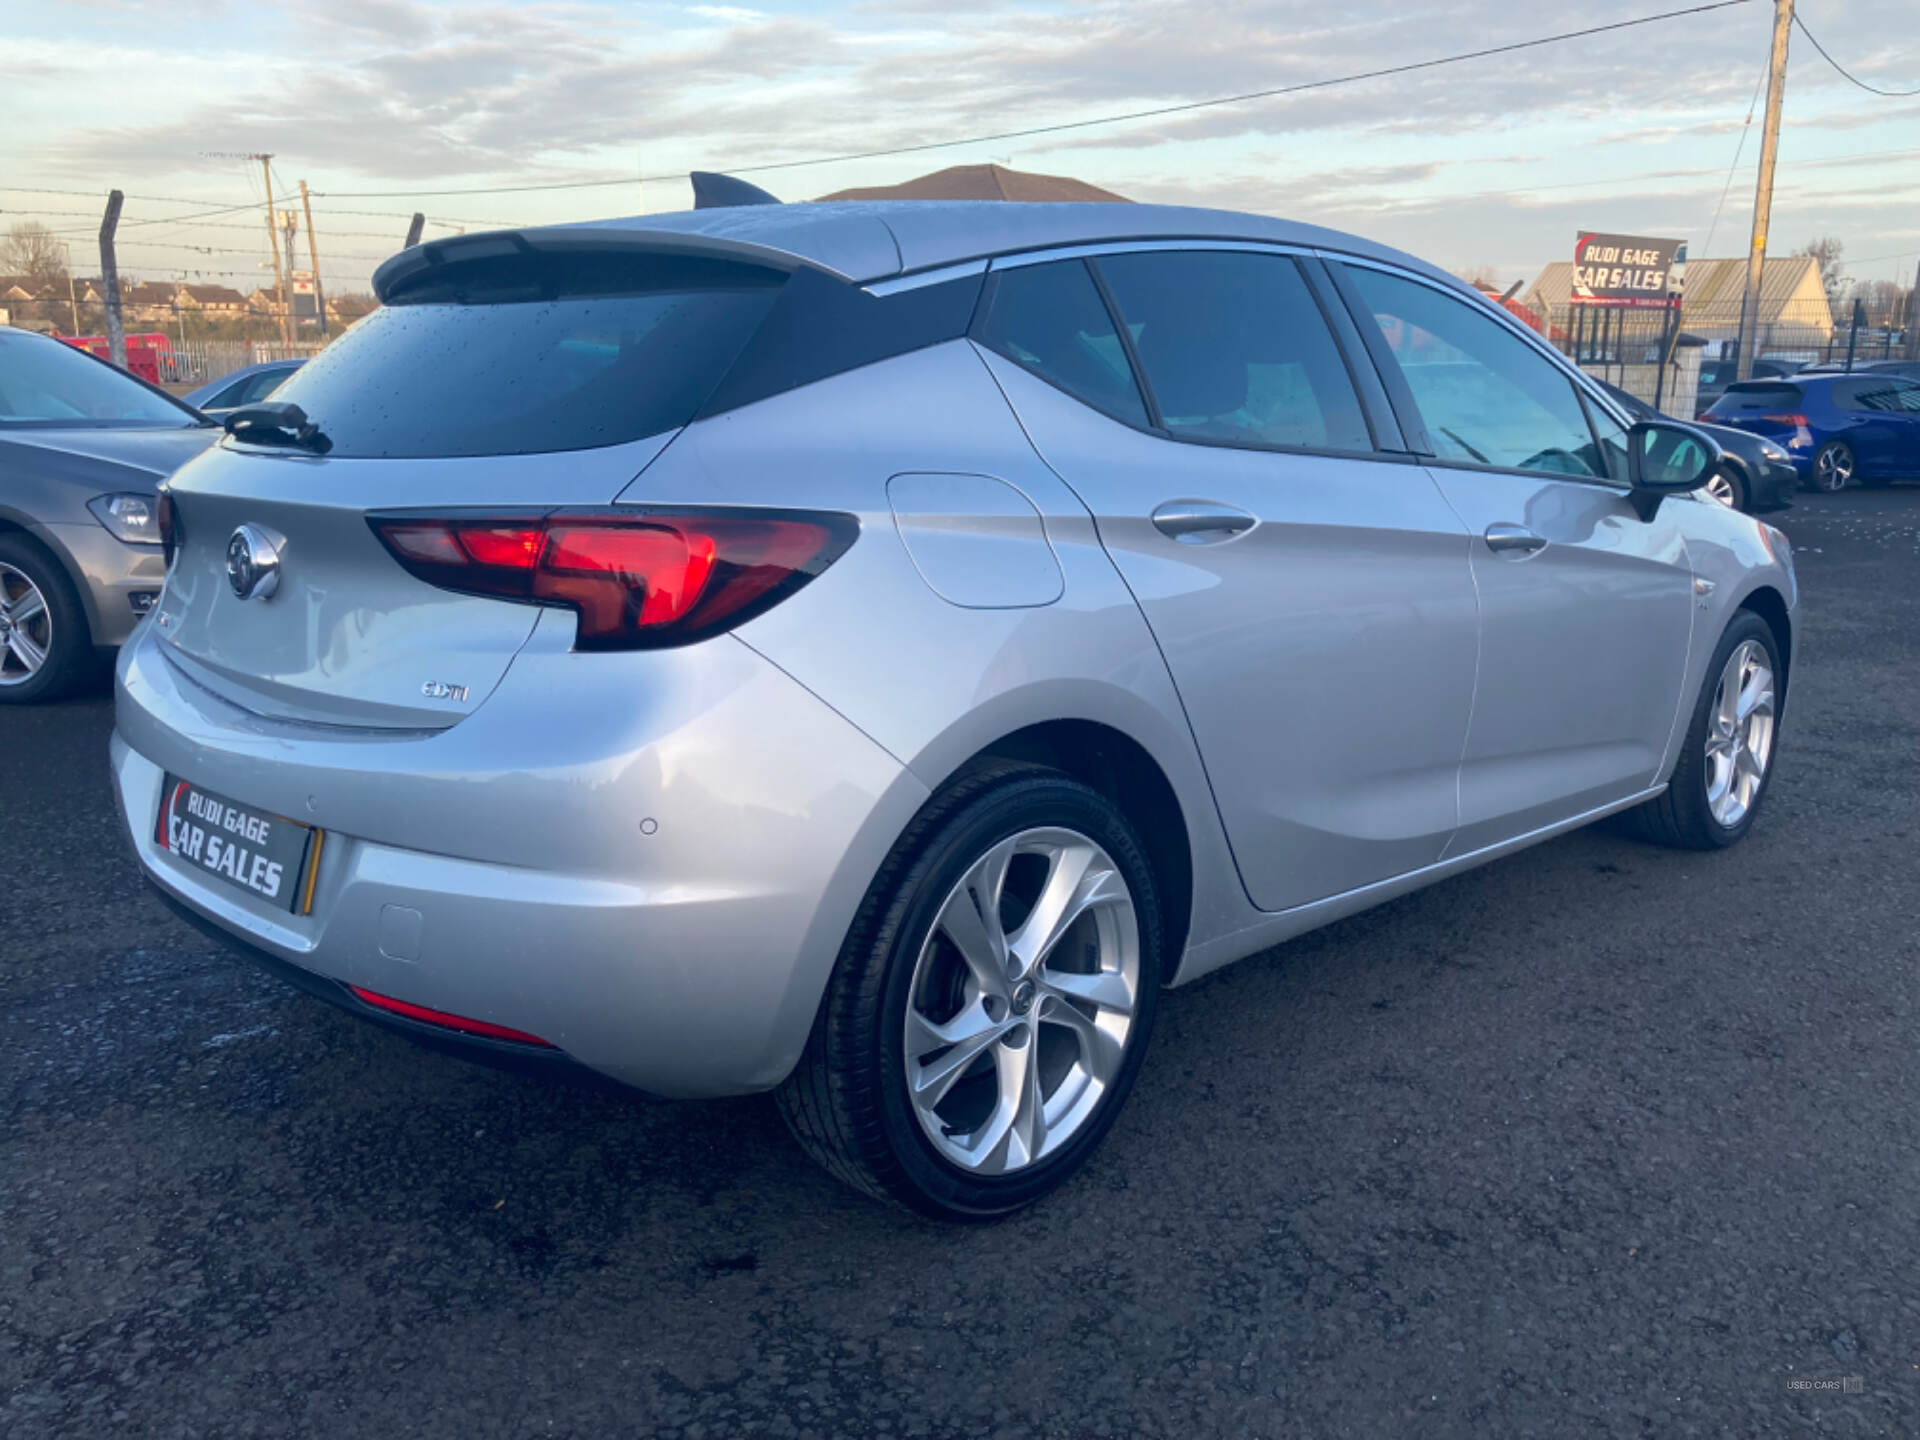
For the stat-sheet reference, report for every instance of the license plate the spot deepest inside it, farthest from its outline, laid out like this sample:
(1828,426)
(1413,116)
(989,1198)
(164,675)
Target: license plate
(265,855)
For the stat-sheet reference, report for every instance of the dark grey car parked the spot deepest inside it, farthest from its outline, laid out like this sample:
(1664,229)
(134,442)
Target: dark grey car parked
(83,447)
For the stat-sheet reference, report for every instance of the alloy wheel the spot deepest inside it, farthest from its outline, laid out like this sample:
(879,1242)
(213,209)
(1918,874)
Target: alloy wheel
(1740,733)
(1022,1001)
(1833,468)
(1720,488)
(26,627)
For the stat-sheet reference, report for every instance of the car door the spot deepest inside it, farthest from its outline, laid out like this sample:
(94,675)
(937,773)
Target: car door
(1311,592)
(1906,457)
(1875,421)
(1586,609)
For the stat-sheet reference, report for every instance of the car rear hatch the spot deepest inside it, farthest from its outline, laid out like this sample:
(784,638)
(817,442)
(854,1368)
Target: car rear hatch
(1763,407)
(498,379)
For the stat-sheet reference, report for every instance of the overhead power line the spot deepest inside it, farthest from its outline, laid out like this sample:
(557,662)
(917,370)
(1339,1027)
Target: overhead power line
(1874,89)
(1065,125)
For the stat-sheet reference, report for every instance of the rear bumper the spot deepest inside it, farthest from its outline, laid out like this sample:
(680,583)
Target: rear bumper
(501,870)
(500,1054)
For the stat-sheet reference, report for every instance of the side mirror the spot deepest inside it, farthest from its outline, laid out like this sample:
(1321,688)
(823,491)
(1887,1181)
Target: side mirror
(1666,458)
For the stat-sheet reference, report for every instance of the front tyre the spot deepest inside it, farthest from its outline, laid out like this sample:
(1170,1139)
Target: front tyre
(1727,759)
(45,646)
(992,1003)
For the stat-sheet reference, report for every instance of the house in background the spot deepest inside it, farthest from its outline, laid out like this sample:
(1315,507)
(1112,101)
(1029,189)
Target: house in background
(981,182)
(213,301)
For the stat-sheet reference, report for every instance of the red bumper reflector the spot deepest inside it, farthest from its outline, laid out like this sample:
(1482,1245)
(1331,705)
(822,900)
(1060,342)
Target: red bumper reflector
(446,1021)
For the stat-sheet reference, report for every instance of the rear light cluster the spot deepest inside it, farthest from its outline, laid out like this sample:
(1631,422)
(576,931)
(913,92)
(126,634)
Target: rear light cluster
(167,522)
(637,578)
(1798,421)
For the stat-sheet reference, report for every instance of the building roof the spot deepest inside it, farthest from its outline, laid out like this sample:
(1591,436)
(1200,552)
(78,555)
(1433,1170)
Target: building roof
(213,295)
(868,240)
(982,182)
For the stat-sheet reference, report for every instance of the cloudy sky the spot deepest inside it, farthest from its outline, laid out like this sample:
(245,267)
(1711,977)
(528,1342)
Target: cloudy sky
(1495,162)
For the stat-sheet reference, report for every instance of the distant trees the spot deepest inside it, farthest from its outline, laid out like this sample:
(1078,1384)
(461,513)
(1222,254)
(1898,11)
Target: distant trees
(30,250)
(1828,253)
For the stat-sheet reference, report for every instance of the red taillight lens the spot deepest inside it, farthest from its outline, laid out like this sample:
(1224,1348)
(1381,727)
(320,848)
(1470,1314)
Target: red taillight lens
(637,578)
(1798,421)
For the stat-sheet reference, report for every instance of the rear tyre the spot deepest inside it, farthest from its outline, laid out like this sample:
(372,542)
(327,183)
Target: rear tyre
(1833,467)
(45,645)
(1727,758)
(991,1004)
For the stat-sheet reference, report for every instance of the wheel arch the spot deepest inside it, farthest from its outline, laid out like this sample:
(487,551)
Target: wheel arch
(1771,606)
(45,541)
(1112,762)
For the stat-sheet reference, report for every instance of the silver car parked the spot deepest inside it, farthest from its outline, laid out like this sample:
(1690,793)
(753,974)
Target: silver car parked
(83,448)
(868,651)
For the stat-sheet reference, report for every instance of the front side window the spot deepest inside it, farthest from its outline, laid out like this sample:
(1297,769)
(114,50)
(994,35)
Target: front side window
(1485,396)
(1049,319)
(1235,349)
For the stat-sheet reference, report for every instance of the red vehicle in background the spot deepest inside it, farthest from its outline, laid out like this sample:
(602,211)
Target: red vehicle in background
(144,351)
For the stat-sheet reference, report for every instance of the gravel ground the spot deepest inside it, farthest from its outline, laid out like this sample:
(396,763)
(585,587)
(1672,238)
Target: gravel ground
(1600,1140)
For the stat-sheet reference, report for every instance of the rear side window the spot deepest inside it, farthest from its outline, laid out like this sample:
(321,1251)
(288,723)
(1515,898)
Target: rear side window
(1235,349)
(1757,398)
(1049,319)
(260,386)
(1486,396)
(1884,394)
(534,353)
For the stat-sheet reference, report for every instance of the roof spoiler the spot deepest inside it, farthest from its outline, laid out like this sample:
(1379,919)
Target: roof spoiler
(711,191)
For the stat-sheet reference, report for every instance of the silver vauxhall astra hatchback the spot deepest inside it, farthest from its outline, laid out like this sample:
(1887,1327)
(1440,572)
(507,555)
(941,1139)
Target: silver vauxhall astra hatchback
(867,651)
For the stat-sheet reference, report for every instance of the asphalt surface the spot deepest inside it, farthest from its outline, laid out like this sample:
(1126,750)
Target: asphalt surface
(1600,1140)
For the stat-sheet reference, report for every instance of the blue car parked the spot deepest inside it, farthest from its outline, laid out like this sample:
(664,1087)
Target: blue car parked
(1836,427)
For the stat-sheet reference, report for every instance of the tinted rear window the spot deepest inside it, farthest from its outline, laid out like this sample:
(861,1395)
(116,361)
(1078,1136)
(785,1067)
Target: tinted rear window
(527,355)
(1751,396)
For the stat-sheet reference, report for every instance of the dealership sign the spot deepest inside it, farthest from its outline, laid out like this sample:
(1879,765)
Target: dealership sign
(1627,270)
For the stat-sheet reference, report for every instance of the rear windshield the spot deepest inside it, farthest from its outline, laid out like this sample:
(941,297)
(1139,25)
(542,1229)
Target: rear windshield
(534,355)
(1751,396)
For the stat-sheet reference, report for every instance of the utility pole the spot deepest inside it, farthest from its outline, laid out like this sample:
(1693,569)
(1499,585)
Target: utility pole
(110,279)
(1763,191)
(273,238)
(313,254)
(1913,317)
(73,300)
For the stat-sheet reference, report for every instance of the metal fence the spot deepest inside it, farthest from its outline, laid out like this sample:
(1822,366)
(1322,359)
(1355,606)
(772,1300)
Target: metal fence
(1657,354)
(195,362)
(1806,333)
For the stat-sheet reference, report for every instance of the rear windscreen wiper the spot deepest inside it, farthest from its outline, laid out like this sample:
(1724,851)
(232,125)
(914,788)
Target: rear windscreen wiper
(277,422)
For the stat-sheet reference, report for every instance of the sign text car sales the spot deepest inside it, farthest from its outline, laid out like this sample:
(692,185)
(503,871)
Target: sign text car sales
(1629,270)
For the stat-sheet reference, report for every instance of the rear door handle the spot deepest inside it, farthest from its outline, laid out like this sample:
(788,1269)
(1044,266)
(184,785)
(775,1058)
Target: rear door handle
(1505,539)
(1201,522)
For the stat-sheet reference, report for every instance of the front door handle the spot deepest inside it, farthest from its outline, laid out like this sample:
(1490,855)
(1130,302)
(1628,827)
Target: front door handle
(1505,539)
(1201,522)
